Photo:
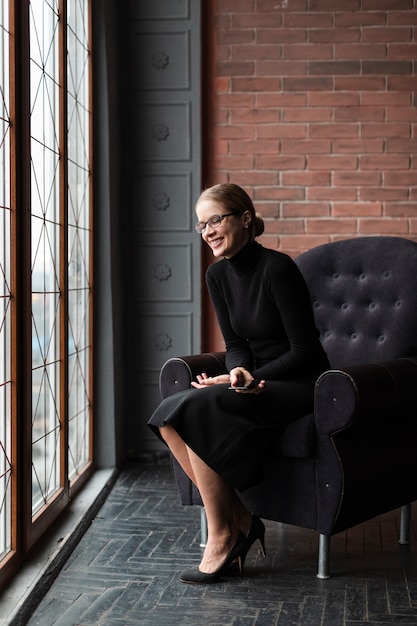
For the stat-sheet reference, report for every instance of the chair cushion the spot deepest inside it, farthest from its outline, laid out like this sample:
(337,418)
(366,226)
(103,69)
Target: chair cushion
(298,439)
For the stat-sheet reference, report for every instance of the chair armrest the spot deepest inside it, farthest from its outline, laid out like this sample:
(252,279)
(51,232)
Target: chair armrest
(178,372)
(366,395)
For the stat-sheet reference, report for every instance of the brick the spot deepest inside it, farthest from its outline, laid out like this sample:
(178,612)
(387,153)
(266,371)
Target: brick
(348,162)
(286,68)
(308,114)
(256,52)
(332,193)
(387,67)
(236,36)
(235,68)
(257,19)
(307,51)
(307,83)
(334,99)
(357,178)
(235,100)
(359,83)
(360,113)
(306,179)
(256,178)
(234,162)
(399,83)
(256,84)
(401,209)
(306,209)
(276,193)
(282,36)
(324,226)
(402,18)
(235,131)
(334,130)
(299,146)
(387,98)
(276,5)
(289,100)
(284,226)
(388,130)
(243,6)
(360,18)
(282,130)
(258,146)
(387,5)
(383,226)
(331,68)
(391,34)
(335,35)
(383,193)
(358,146)
(403,50)
(384,162)
(281,162)
(259,115)
(329,5)
(395,144)
(302,242)
(404,179)
(308,20)
(360,51)
(356,209)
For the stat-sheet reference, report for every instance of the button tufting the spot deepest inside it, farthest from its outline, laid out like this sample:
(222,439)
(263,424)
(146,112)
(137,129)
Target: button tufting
(354,336)
(362,276)
(398,304)
(381,338)
(386,274)
(327,334)
(335,276)
(344,306)
(372,305)
(316,304)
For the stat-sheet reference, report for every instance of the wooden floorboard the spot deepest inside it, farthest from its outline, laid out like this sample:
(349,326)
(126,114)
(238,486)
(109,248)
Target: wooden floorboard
(125,570)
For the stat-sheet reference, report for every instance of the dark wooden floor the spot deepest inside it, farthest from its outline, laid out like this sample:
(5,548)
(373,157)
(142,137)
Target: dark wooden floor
(125,570)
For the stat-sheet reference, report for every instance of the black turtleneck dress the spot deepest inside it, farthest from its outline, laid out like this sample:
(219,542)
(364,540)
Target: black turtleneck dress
(264,312)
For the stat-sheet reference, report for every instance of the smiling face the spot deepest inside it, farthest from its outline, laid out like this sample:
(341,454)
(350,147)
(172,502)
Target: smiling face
(228,237)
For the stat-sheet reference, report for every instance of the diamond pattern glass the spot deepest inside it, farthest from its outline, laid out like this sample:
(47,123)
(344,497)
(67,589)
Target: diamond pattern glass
(5,292)
(78,236)
(45,227)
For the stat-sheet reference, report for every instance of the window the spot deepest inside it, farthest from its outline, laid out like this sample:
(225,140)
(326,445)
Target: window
(45,266)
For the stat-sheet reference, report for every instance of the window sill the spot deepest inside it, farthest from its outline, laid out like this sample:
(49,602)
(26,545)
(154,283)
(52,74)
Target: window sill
(20,598)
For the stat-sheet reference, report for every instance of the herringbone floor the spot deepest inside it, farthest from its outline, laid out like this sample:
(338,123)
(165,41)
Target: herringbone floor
(125,570)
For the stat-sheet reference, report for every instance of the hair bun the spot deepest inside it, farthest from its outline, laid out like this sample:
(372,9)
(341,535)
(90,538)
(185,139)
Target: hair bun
(259,225)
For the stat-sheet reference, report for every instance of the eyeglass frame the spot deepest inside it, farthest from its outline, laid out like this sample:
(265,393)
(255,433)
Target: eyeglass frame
(218,220)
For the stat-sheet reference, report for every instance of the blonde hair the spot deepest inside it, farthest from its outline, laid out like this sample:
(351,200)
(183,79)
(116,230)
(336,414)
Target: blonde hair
(235,200)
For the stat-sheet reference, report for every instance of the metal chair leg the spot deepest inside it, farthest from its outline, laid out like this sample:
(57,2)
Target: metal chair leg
(203,525)
(405,523)
(324,557)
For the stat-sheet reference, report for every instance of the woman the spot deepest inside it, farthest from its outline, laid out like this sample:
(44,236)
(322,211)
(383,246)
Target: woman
(219,433)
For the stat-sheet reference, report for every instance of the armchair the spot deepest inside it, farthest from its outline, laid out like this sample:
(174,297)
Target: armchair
(355,457)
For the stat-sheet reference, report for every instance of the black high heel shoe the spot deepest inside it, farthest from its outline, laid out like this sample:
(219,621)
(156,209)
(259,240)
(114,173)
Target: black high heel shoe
(237,552)
(257,531)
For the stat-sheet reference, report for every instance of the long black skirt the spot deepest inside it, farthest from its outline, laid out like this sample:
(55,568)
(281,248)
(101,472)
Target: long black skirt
(232,432)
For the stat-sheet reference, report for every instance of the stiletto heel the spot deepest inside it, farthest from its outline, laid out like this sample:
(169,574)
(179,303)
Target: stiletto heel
(237,552)
(257,531)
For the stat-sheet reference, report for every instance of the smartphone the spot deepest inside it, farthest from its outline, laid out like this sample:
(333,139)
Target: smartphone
(253,384)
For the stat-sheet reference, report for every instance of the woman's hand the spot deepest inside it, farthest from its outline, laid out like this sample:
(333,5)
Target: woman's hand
(205,381)
(240,377)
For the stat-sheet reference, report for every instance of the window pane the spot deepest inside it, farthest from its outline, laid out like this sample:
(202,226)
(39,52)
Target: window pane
(78,236)
(5,299)
(45,226)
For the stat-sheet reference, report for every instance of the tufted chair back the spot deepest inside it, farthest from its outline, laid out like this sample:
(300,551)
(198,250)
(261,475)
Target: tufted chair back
(364,298)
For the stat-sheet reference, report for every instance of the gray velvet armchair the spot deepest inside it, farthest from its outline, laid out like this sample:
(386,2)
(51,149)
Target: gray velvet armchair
(356,456)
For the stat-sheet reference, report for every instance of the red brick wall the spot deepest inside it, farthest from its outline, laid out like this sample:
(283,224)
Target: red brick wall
(311,106)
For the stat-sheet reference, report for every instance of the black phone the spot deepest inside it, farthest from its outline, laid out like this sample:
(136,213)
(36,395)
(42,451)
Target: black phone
(255,382)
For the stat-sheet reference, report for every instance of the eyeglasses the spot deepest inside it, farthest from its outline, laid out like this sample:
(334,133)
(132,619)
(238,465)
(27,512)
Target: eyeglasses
(214,220)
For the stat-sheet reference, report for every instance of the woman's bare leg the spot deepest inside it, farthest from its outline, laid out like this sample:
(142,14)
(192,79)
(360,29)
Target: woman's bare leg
(224,510)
